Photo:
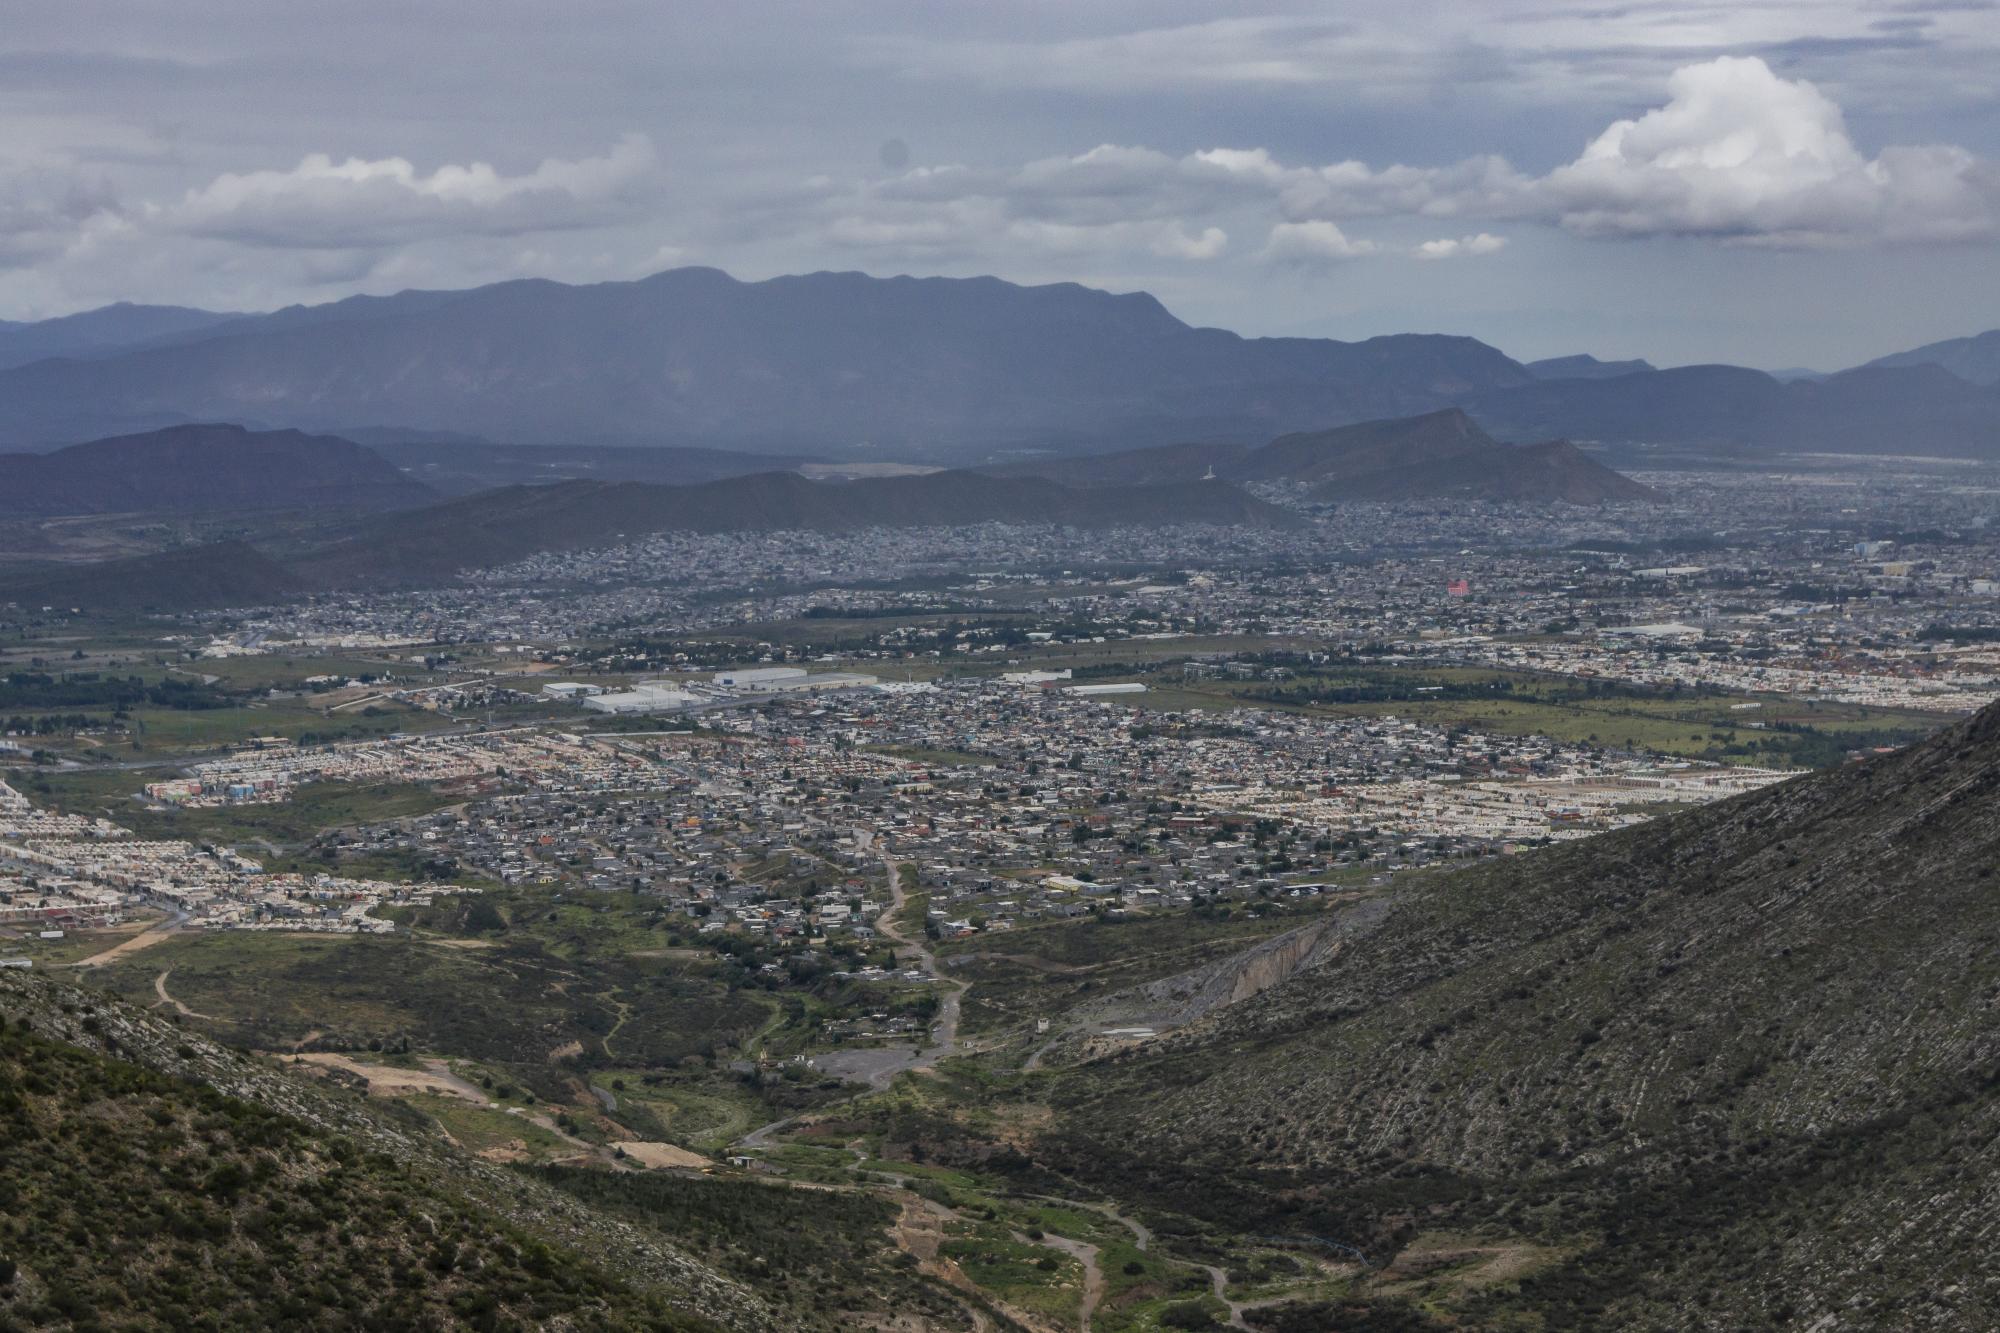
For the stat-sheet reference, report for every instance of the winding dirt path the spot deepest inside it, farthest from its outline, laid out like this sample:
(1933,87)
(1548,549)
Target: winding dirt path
(1093,1273)
(160,989)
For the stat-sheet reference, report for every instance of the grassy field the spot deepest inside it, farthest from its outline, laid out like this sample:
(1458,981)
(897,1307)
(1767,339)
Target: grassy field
(1792,732)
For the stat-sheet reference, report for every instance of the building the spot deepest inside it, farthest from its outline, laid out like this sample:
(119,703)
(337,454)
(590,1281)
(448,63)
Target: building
(642,698)
(758,678)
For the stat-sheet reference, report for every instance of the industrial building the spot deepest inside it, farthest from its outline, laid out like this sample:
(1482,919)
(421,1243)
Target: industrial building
(642,698)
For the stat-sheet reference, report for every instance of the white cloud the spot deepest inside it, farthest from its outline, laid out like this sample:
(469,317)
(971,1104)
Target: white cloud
(1313,242)
(324,204)
(1740,153)
(1736,153)
(1485,243)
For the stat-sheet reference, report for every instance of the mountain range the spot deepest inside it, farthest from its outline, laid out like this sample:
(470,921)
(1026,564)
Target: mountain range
(906,366)
(1434,455)
(1736,1067)
(206,469)
(928,369)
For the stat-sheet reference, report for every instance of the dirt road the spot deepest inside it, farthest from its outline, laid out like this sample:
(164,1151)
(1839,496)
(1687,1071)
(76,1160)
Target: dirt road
(145,939)
(160,989)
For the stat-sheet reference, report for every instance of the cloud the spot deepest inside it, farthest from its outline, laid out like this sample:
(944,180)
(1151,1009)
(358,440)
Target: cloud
(1738,152)
(1485,243)
(356,203)
(1313,242)
(44,210)
(1734,153)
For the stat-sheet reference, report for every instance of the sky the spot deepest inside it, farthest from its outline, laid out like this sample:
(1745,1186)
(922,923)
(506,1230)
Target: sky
(1766,182)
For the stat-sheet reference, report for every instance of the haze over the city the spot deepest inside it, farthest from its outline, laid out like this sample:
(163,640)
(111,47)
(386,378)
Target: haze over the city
(1770,184)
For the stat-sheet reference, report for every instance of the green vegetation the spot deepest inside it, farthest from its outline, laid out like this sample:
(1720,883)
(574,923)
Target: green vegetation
(1694,724)
(128,1198)
(823,1250)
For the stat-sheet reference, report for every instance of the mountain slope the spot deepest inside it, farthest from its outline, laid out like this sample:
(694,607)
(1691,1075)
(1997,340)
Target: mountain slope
(96,332)
(225,573)
(1975,359)
(1312,457)
(1528,473)
(209,468)
(826,360)
(151,1171)
(1437,454)
(1743,1063)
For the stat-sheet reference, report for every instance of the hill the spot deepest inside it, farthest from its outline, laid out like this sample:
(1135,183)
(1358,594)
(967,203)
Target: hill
(1528,473)
(1437,454)
(509,524)
(149,1172)
(432,545)
(1975,359)
(1917,409)
(1584,367)
(1736,1067)
(1345,452)
(826,361)
(206,469)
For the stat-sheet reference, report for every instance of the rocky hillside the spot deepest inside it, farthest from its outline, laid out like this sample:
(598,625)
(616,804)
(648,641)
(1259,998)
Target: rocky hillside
(149,1171)
(1741,1064)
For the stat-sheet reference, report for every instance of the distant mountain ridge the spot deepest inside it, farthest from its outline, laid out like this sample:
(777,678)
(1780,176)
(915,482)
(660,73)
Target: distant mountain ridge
(206,469)
(1436,454)
(911,366)
(98,332)
(1584,367)
(949,371)
(1975,360)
